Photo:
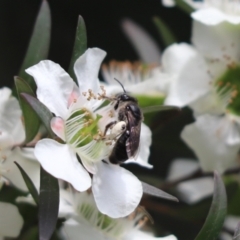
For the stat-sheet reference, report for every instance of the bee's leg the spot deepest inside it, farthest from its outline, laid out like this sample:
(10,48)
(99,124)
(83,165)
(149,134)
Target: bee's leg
(109,125)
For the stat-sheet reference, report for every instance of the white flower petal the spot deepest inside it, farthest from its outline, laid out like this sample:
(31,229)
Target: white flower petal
(218,42)
(117,192)
(72,230)
(58,127)
(192,82)
(215,141)
(143,43)
(5,95)
(213,16)
(137,234)
(30,166)
(180,168)
(208,103)
(10,120)
(66,205)
(176,56)
(144,147)
(86,69)
(54,86)
(60,161)
(28,199)
(231,222)
(193,191)
(168,3)
(11,221)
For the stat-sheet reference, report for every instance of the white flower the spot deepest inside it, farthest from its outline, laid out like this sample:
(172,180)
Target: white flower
(12,134)
(211,89)
(86,221)
(216,27)
(79,122)
(11,221)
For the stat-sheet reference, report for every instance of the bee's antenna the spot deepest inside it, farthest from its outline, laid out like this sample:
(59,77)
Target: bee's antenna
(120,84)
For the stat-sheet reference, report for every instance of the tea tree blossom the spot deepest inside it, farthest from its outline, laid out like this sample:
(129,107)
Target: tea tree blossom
(79,123)
(210,88)
(142,80)
(11,135)
(216,25)
(85,220)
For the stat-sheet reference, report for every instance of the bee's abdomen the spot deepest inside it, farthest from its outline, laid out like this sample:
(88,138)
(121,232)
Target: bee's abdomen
(119,153)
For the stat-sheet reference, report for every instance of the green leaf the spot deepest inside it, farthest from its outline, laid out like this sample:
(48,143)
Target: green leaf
(80,45)
(31,119)
(215,218)
(156,192)
(39,43)
(236,235)
(48,205)
(164,31)
(184,6)
(41,110)
(31,187)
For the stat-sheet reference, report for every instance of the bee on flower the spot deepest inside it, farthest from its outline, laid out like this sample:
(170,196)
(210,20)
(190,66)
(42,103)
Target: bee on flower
(79,123)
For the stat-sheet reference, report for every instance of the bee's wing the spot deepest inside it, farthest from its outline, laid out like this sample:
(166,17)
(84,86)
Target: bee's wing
(158,108)
(132,143)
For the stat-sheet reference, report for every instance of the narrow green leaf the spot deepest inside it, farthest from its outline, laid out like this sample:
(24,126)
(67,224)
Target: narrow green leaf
(236,235)
(48,205)
(156,192)
(164,31)
(31,119)
(184,6)
(215,218)
(31,187)
(41,110)
(39,43)
(80,45)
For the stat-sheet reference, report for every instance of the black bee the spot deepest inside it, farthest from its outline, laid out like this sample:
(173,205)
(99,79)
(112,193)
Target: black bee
(130,113)
(128,126)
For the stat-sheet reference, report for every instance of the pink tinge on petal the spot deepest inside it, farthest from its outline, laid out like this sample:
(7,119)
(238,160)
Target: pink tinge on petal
(58,127)
(73,96)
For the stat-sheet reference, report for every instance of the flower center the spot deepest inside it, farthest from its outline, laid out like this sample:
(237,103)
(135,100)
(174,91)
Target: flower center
(107,225)
(82,128)
(127,72)
(228,88)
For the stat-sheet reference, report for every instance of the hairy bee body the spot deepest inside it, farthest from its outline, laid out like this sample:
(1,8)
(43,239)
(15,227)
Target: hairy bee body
(128,143)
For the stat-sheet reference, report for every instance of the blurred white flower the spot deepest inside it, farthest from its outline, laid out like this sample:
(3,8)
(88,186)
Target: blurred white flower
(12,134)
(190,191)
(11,221)
(211,89)
(227,7)
(216,27)
(86,221)
(137,78)
(79,122)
